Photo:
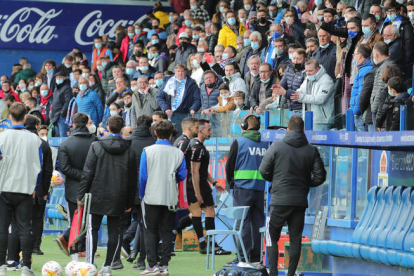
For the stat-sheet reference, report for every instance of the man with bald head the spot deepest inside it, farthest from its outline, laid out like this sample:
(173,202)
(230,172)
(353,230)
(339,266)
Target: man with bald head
(396,52)
(325,54)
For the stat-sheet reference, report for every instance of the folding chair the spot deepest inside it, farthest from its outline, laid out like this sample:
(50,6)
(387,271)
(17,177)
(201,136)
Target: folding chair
(84,218)
(236,213)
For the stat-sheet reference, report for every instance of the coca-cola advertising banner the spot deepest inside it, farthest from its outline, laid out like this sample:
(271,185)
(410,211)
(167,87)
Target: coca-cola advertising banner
(62,26)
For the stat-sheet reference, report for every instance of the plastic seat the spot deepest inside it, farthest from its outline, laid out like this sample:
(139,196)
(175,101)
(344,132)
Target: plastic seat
(238,214)
(262,232)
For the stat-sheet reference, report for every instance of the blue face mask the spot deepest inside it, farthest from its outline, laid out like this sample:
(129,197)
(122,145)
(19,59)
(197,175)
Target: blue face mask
(50,71)
(98,45)
(324,46)
(224,56)
(137,31)
(149,56)
(44,93)
(131,34)
(290,56)
(104,64)
(231,21)
(193,7)
(143,68)
(155,41)
(246,42)
(68,65)
(83,87)
(221,9)
(366,30)
(392,17)
(255,45)
(159,83)
(276,35)
(196,37)
(59,81)
(265,81)
(311,78)
(352,34)
(129,71)
(188,23)
(171,18)
(201,39)
(388,41)
(195,63)
(318,2)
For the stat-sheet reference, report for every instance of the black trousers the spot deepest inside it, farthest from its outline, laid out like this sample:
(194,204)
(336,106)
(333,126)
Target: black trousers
(37,222)
(95,222)
(13,246)
(158,219)
(124,221)
(295,218)
(254,220)
(21,205)
(81,243)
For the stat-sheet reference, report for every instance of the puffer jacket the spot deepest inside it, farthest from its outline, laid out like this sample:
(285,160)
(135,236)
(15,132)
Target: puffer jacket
(227,37)
(254,97)
(90,104)
(72,156)
(112,187)
(61,98)
(161,62)
(291,81)
(209,100)
(364,68)
(365,95)
(388,115)
(320,95)
(293,166)
(379,91)
(141,137)
(237,84)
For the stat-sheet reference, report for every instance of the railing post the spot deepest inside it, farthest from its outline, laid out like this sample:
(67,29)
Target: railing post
(267,120)
(350,120)
(308,120)
(403,117)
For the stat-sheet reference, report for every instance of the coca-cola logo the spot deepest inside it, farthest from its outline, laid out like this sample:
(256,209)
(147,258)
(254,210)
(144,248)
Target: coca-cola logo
(92,25)
(17,27)
(21,26)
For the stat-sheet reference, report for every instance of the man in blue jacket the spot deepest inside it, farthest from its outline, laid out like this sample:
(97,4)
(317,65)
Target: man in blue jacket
(242,170)
(179,96)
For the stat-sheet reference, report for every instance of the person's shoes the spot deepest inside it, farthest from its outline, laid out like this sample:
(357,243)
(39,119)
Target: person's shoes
(37,251)
(105,271)
(233,262)
(164,270)
(125,252)
(151,271)
(12,266)
(117,265)
(4,268)
(131,258)
(221,251)
(82,254)
(140,265)
(61,210)
(63,245)
(27,271)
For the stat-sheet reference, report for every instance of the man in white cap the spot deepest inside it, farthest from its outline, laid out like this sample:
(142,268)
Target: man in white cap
(184,50)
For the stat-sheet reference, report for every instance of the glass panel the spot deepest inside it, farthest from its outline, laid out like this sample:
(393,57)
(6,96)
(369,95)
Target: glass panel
(362,182)
(319,196)
(341,184)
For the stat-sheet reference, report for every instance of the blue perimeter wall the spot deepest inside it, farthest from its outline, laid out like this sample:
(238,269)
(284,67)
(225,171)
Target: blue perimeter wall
(8,57)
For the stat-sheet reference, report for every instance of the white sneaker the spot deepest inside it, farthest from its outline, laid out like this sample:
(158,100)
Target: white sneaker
(105,271)
(3,270)
(164,270)
(151,271)
(27,271)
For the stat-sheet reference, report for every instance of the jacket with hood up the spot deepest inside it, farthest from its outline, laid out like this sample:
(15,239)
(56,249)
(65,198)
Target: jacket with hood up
(110,175)
(293,166)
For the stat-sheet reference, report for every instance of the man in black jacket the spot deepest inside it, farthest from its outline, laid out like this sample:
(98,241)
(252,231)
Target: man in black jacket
(61,98)
(293,166)
(141,137)
(110,175)
(72,155)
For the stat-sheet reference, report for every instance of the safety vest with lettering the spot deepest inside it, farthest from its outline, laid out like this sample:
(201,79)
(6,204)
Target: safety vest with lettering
(249,157)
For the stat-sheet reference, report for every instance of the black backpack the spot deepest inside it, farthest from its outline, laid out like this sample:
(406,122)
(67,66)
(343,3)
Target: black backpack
(242,271)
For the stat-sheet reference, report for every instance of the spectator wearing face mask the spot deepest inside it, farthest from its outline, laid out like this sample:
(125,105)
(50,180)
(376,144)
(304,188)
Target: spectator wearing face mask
(46,100)
(106,72)
(293,26)
(262,87)
(230,30)
(257,48)
(233,78)
(159,60)
(251,76)
(184,50)
(278,54)
(239,101)
(6,90)
(61,99)
(396,52)
(126,114)
(209,91)
(127,46)
(89,102)
(114,110)
(144,99)
(262,24)
(325,54)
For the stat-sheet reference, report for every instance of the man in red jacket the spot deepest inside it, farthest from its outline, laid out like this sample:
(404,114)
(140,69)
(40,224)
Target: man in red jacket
(127,45)
(6,90)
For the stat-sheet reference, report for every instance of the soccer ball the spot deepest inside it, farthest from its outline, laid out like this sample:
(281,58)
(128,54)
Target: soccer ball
(71,268)
(85,269)
(52,268)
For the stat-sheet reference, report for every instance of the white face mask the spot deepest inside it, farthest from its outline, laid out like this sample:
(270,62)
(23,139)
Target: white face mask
(92,129)
(411,15)
(113,113)
(44,138)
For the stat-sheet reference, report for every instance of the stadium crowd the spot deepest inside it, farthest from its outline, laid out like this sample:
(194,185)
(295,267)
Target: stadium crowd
(203,58)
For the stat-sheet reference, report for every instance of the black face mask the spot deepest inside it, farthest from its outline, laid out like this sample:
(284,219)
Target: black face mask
(211,85)
(184,44)
(155,27)
(297,66)
(339,14)
(172,55)
(128,105)
(175,31)
(273,14)
(262,20)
